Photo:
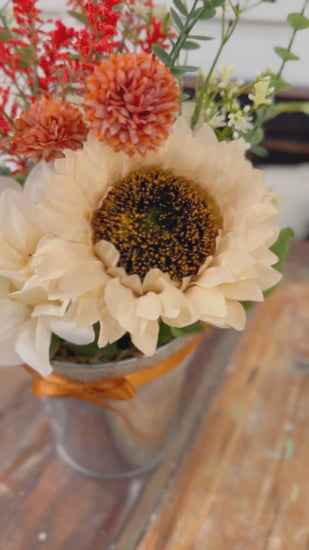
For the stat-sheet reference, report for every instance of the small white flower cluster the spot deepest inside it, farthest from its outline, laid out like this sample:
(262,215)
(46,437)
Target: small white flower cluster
(261,95)
(223,107)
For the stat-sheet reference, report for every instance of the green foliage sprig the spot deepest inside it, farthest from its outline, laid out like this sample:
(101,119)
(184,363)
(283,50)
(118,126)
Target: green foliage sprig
(210,103)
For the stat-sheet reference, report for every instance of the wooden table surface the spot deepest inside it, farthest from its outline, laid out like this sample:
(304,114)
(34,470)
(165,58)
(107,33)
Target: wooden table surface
(236,475)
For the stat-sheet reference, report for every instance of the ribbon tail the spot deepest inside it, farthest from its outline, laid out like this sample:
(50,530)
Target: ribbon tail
(97,400)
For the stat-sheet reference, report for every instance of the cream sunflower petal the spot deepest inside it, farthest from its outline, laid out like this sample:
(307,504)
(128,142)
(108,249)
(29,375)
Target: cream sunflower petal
(186,317)
(256,236)
(17,278)
(215,276)
(107,252)
(32,345)
(54,309)
(8,183)
(31,297)
(145,337)
(70,332)
(206,135)
(87,169)
(87,308)
(12,317)
(243,290)
(19,225)
(265,256)
(35,183)
(208,301)
(67,211)
(10,258)
(267,277)
(236,315)
(172,300)
(110,329)
(80,278)
(72,265)
(131,281)
(120,302)
(148,307)
(154,280)
(67,165)
(219,322)
(4,287)
(264,212)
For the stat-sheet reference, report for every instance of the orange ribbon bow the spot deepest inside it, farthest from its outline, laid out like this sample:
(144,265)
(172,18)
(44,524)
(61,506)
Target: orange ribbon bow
(97,391)
(119,388)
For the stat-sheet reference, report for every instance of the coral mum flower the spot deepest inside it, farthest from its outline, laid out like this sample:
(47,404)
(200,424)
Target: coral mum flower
(179,235)
(131,102)
(47,128)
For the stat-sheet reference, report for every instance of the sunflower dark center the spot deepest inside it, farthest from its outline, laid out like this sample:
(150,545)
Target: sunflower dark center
(158,220)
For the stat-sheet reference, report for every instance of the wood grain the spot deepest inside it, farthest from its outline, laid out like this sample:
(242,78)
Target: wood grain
(245,484)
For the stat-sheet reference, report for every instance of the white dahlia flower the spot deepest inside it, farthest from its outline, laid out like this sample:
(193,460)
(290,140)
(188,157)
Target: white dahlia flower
(179,235)
(27,317)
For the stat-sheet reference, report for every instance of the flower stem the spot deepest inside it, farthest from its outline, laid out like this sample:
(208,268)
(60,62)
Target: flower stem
(263,114)
(226,35)
(189,24)
(291,43)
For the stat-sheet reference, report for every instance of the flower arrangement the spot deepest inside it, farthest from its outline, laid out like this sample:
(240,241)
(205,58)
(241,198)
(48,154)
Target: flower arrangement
(125,223)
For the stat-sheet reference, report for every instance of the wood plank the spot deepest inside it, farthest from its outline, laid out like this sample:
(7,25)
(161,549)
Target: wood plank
(244,487)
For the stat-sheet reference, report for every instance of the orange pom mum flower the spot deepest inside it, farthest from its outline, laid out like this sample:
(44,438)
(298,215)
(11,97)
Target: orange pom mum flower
(131,102)
(48,127)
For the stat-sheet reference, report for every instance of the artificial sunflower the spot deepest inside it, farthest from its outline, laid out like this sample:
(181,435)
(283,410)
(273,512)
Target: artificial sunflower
(178,235)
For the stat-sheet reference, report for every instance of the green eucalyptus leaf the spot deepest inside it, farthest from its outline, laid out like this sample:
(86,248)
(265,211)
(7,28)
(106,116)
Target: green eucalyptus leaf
(182,8)
(190,329)
(292,107)
(259,151)
(79,17)
(201,37)
(5,171)
(205,13)
(162,55)
(270,114)
(298,21)
(257,137)
(285,54)
(184,97)
(176,19)
(165,334)
(190,45)
(54,345)
(109,351)
(184,69)
(217,3)
(278,82)
(281,249)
